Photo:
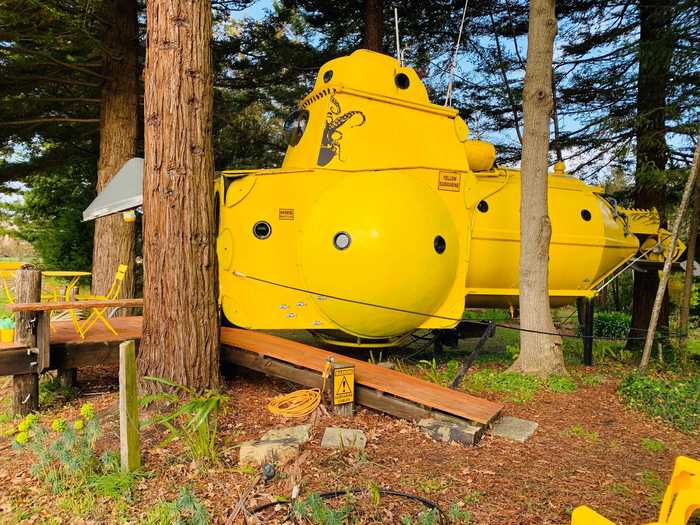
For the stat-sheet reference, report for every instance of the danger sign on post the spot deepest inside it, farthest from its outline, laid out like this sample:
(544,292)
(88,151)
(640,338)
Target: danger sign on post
(343,385)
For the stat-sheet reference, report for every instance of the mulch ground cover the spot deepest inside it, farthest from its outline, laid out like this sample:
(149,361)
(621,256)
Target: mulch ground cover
(588,450)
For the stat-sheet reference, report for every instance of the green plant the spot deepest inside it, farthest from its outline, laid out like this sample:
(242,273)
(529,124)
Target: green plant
(435,374)
(561,384)
(52,391)
(517,387)
(472,498)
(513,351)
(653,445)
(317,511)
(185,510)
(430,485)
(194,421)
(580,431)
(458,514)
(676,400)
(655,485)
(428,517)
(65,455)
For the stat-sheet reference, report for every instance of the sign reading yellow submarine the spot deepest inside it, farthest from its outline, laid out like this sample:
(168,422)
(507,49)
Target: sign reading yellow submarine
(385,218)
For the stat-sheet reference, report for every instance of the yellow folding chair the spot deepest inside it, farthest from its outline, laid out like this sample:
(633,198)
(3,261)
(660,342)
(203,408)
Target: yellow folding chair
(7,273)
(681,499)
(98,313)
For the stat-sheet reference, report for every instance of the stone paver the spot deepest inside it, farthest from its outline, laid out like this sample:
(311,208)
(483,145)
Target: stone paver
(450,432)
(514,428)
(277,451)
(300,434)
(335,437)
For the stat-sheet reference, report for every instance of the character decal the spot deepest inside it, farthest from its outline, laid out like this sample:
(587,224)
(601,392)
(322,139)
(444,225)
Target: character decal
(330,141)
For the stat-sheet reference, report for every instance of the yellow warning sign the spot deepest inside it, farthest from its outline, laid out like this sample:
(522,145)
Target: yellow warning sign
(343,385)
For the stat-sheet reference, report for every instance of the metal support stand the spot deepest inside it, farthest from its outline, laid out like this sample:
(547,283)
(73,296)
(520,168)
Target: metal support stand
(588,331)
(469,361)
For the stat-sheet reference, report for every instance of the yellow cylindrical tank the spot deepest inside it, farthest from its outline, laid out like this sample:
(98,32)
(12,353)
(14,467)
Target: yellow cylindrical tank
(481,155)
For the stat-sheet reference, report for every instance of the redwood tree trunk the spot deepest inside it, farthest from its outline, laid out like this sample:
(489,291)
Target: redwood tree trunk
(540,354)
(374,24)
(655,51)
(114,238)
(180,335)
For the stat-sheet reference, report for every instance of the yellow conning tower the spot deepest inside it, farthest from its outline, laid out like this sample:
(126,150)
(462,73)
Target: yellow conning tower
(384,216)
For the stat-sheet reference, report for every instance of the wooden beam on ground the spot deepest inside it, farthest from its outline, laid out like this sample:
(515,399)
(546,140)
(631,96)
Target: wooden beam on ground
(364,396)
(74,305)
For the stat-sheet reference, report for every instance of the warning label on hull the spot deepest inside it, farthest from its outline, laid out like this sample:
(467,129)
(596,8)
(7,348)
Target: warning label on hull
(449,181)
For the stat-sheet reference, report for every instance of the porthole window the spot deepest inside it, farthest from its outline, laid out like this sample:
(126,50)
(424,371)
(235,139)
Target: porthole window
(295,125)
(483,206)
(586,215)
(262,230)
(439,244)
(342,240)
(402,81)
(328,75)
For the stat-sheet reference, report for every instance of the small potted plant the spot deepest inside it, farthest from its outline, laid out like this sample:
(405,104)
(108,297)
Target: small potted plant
(7,330)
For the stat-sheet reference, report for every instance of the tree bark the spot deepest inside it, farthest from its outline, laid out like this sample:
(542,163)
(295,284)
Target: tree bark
(655,51)
(181,334)
(690,263)
(114,238)
(540,353)
(374,25)
(646,354)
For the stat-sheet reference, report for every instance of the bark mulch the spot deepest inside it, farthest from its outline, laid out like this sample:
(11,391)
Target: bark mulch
(587,450)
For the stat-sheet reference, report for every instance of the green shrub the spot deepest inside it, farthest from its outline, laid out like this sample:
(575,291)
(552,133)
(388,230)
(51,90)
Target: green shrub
(674,400)
(653,445)
(194,420)
(611,324)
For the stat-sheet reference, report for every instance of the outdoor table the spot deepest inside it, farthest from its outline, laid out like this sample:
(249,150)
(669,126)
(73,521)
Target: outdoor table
(72,276)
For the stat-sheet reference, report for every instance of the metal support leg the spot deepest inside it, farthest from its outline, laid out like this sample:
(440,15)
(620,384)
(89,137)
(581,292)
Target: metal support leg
(588,331)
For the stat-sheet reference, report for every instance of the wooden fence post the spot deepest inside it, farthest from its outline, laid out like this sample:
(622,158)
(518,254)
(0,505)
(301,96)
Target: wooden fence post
(128,408)
(25,387)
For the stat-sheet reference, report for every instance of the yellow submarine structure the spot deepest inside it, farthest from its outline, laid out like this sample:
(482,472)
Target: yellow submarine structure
(385,218)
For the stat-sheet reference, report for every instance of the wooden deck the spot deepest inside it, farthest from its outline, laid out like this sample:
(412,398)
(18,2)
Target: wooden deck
(99,347)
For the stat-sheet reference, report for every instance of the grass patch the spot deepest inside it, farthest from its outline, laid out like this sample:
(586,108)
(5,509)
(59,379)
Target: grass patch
(655,485)
(653,445)
(674,400)
(561,384)
(580,432)
(515,387)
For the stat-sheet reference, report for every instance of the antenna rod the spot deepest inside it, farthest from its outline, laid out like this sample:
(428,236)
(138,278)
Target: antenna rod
(398,42)
(453,63)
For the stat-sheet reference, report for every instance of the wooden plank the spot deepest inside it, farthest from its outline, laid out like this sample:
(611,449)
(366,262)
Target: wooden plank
(127,328)
(79,356)
(15,362)
(453,402)
(74,305)
(129,445)
(364,396)
(43,334)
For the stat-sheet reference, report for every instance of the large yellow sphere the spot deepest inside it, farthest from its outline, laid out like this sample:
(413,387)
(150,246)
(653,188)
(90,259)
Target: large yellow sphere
(383,238)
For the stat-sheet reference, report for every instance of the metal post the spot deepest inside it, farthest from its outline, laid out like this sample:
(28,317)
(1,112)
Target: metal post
(588,331)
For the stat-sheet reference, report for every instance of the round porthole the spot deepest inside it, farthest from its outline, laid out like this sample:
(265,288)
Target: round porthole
(483,206)
(262,229)
(401,80)
(439,244)
(586,215)
(342,240)
(328,75)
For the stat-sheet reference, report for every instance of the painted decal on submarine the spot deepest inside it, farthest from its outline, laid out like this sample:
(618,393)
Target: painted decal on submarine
(330,141)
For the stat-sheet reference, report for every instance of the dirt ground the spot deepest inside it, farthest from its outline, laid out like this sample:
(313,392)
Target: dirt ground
(587,450)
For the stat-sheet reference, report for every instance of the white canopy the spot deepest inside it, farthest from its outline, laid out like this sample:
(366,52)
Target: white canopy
(123,192)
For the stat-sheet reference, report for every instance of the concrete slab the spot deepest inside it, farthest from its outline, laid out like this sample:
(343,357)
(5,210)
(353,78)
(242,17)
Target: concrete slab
(278,451)
(514,428)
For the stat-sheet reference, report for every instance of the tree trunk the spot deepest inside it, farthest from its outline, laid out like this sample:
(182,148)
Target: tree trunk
(374,25)
(690,263)
(655,51)
(114,238)
(540,353)
(181,334)
(646,354)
